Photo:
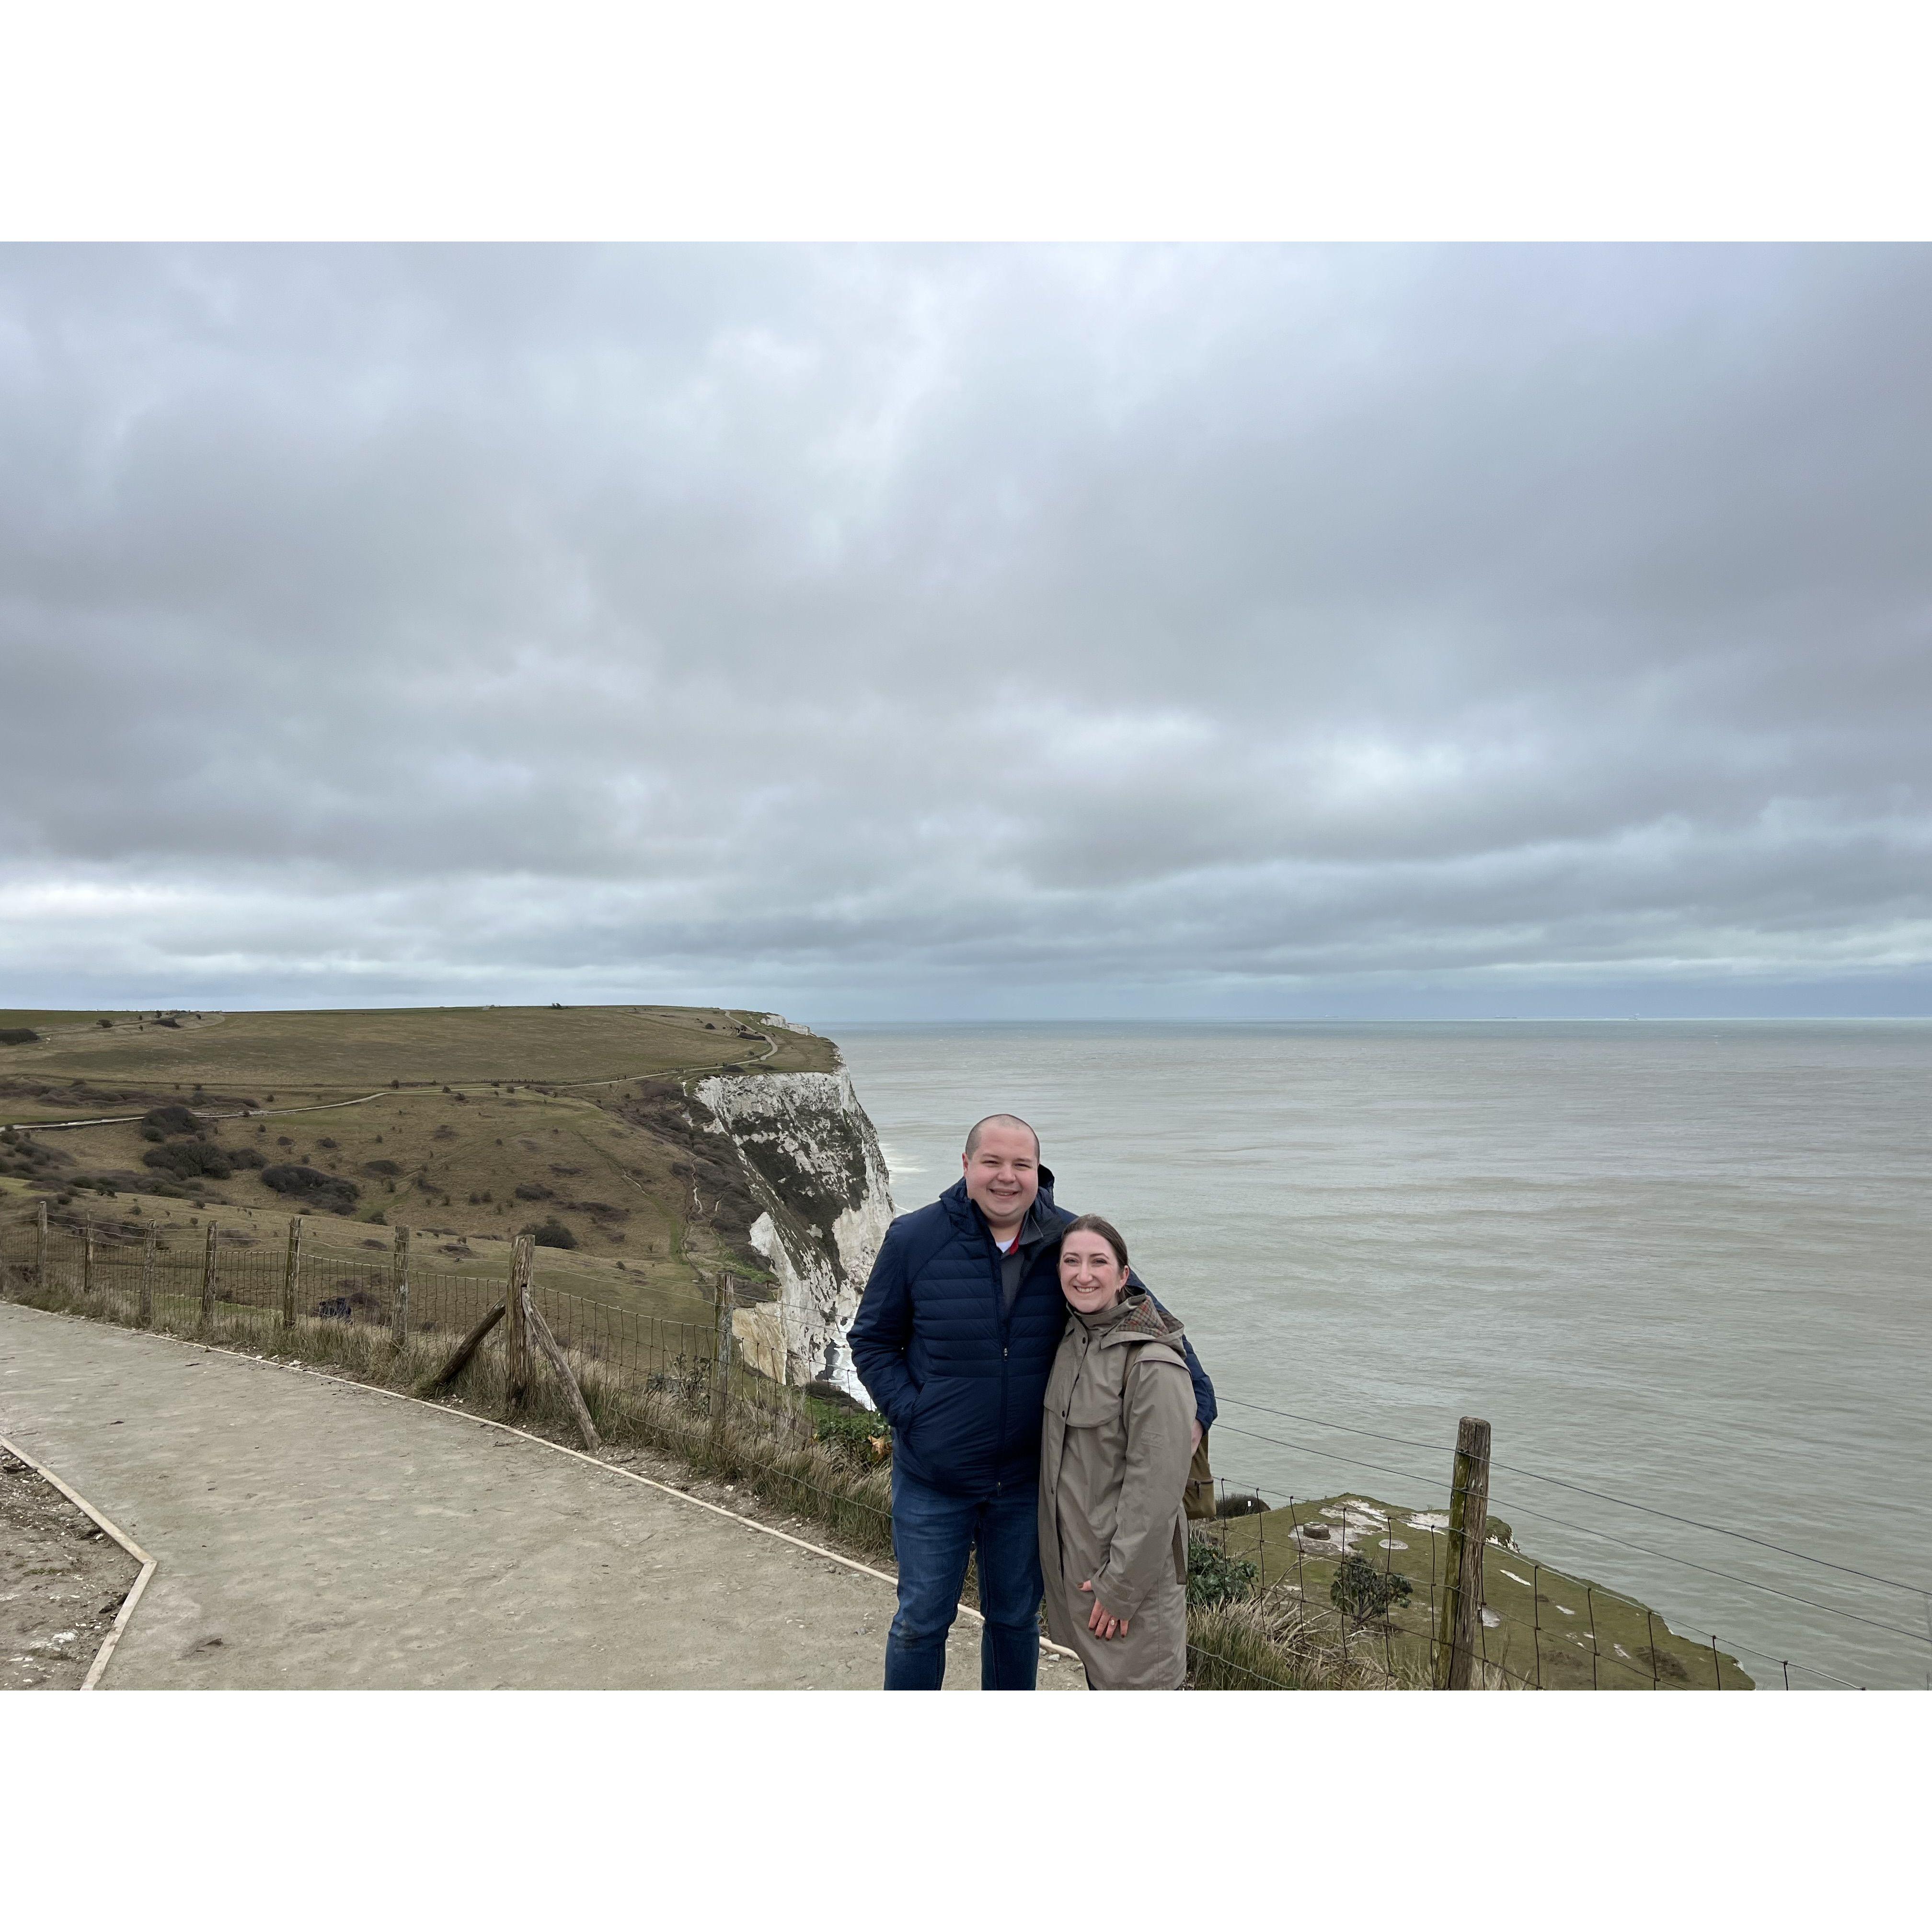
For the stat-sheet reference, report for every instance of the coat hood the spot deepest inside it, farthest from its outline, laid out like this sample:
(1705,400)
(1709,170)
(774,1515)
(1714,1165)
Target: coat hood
(1138,1320)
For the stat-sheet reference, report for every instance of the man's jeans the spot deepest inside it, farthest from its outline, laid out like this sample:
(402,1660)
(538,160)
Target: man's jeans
(932,1534)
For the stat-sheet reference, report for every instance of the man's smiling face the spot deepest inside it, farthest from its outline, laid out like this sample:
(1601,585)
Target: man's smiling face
(1003,1174)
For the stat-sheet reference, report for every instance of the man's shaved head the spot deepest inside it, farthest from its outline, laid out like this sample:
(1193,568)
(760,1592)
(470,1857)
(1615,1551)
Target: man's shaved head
(998,1120)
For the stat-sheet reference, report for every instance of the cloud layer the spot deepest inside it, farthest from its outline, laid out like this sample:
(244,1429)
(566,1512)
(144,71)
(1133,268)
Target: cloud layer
(938,632)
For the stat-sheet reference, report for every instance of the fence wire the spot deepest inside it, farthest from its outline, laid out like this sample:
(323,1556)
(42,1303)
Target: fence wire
(746,1416)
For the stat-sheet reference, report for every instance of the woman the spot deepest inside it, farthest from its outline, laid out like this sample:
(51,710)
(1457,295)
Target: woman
(1113,1472)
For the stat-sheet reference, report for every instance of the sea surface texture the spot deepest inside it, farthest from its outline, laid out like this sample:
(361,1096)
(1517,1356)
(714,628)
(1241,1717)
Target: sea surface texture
(1687,1264)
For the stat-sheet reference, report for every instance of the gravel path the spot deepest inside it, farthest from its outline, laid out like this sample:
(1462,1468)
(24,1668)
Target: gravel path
(313,1535)
(61,1583)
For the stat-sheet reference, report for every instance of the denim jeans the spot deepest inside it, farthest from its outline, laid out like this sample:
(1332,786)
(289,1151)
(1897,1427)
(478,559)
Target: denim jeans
(933,1534)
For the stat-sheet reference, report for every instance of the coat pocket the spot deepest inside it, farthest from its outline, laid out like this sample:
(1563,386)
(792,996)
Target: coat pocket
(1089,1406)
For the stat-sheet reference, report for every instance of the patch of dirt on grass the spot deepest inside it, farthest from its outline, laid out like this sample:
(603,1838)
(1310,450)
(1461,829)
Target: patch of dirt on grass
(61,1583)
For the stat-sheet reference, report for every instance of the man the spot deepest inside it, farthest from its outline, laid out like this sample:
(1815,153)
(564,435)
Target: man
(954,1341)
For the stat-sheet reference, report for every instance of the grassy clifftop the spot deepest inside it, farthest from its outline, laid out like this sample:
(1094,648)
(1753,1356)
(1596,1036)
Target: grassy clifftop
(429,1045)
(467,1123)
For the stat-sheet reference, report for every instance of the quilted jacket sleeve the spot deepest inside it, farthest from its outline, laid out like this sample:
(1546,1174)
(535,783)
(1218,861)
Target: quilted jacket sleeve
(882,1327)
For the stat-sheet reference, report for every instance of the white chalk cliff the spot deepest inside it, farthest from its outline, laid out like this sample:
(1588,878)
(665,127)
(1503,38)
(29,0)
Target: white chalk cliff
(812,1160)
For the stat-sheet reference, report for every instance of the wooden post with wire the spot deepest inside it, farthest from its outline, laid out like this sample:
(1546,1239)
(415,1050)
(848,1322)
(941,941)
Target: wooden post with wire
(460,1357)
(560,1364)
(40,1244)
(87,1257)
(1459,1620)
(399,1287)
(291,1271)
(144,1310)
(208,1274)
(517,1321)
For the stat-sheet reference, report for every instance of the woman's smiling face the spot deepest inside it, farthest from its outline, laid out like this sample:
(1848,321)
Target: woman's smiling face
(1092,1276)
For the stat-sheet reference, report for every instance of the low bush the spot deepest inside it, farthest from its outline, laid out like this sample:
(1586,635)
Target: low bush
(862,1436)
(172,1120)
(551,1234)
(184,1158)
(1214,1577)
(329,1193)
(1364,1593)
(17,1035)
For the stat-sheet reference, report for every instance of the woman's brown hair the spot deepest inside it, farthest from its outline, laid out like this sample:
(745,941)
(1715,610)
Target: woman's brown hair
(1093,1224)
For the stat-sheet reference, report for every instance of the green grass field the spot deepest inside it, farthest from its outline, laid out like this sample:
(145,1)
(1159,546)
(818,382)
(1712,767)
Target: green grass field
(329,1053)
(1551,1630)
(465,1123)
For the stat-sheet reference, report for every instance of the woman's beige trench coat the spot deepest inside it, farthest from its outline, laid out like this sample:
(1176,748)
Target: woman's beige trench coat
(1113,1473)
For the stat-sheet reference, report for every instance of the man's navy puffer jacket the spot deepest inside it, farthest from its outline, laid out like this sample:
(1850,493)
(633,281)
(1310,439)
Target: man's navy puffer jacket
(961,1381)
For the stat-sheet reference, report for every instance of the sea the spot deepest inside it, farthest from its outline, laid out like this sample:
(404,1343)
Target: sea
(1683,1269)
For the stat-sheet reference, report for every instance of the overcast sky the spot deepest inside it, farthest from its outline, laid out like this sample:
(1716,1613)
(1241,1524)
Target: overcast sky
(937,632)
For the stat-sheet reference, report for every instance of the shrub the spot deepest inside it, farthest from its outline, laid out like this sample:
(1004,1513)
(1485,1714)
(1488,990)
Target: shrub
(17,1035)
(863,1435)
(534,1190)
(329,1193)
(1362,1591)
(183,1159)
(551,1234)
(172,1120)
(1240,1502)
(1214,1577)
(381,1169)
(244,1157)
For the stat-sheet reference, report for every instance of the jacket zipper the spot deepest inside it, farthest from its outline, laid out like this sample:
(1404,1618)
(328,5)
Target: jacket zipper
(1006,1350)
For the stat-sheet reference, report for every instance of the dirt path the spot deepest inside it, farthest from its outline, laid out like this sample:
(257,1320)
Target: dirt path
(61,1582)
(313,1534)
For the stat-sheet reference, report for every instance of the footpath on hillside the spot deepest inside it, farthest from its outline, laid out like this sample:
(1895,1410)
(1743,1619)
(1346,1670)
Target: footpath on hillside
(313,1535)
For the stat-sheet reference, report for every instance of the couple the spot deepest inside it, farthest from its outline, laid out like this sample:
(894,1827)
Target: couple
(1044,1409)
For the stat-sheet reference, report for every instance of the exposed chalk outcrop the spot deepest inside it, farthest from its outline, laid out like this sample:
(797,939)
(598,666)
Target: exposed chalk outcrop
(812,1162)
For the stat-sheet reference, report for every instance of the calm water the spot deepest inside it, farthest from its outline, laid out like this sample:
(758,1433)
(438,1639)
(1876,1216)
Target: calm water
(1687,1263)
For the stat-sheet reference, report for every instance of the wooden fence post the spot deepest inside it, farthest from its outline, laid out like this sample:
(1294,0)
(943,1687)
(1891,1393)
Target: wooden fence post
(291,1270)
(516,1322)
(145,1314)
(208,1274)
(721,1359)
(40,1244)
(572,1394)
(87,1257)
(1458,1624)
(399,1285)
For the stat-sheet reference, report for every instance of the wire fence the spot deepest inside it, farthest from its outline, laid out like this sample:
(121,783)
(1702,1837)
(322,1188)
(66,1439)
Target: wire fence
(1352,1589)
(1537,1627)
(662,1381)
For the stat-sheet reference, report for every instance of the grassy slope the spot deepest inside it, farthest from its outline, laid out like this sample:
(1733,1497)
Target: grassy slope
(461,1154)
(1547,1625)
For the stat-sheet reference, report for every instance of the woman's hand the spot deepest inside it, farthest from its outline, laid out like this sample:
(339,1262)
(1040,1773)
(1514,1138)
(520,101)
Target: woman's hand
(1098,1620)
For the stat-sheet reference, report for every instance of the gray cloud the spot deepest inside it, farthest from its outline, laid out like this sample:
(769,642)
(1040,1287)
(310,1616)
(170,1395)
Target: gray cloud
(924,630)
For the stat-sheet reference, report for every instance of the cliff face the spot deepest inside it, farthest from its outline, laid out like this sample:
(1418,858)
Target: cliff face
(810,1160)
